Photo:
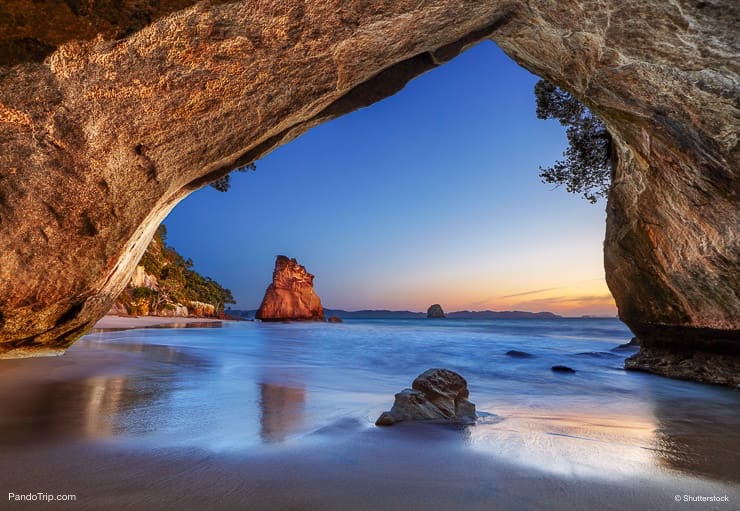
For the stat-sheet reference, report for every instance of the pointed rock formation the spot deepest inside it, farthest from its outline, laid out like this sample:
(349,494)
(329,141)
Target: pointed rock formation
(290,297)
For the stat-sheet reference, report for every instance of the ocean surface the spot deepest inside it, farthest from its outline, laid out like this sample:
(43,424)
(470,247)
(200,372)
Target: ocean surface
(299,401)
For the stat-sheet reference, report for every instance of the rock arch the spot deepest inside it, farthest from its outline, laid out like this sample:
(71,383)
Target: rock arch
(110,115)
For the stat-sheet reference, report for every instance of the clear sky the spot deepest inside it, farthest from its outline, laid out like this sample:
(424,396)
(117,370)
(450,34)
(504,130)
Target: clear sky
(430,196)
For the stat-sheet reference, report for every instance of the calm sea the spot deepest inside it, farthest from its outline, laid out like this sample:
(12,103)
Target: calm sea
(251,387)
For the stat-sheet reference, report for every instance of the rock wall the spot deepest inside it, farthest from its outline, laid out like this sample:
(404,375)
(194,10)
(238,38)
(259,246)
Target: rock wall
(110,116)
(200,309)
(290,296)
(174,310)
(141,278)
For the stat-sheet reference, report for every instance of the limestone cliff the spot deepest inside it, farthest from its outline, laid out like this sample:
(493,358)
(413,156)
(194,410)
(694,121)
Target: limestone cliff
(141,278)
(164,284)
(109,116)
(290,296)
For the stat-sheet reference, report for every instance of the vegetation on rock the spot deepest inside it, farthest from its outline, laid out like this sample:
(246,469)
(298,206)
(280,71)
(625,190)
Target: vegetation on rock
(176,283)
(224,183)
(587,167)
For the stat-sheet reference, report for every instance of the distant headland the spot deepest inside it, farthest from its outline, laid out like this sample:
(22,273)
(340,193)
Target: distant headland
(405,314)
(465,314)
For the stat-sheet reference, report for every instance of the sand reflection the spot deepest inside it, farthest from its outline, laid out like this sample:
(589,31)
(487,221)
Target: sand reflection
(687,441)
(611,446)
(103,402)
(282,411)
(85,408)
(87,394)
(567,443)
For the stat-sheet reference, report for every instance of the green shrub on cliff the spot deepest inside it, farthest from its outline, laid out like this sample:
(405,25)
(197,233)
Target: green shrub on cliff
(224,183)
(177,282)
(587,167)
(152,259)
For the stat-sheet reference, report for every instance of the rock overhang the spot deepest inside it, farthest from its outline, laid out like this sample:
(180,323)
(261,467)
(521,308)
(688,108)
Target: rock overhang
(110,124)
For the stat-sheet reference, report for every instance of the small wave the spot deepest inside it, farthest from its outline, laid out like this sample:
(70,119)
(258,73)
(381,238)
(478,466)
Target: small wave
(597,354)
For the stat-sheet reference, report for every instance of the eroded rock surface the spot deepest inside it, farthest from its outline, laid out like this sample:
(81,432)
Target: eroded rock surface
(436,394)
(290,296)
(633,344)
(111,115)
(698,365)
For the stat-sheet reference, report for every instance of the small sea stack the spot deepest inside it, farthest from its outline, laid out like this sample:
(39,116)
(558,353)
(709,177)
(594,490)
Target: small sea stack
(335,319)
(290,296)
(435,312)
(436,394)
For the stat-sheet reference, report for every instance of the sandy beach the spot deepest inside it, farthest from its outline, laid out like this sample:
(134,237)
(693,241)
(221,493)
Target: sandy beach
(110,322)
(259,416)
(346,467)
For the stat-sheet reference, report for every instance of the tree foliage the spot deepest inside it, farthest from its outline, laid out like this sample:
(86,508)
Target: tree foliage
(223,184)
(177,282)
(586,169)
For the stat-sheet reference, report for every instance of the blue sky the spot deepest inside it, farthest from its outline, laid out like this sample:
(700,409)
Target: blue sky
(429,196)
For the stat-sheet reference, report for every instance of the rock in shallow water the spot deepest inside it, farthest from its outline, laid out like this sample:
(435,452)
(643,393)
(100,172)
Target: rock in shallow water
(436,394)
(701,366)
(562,369)
(518,354)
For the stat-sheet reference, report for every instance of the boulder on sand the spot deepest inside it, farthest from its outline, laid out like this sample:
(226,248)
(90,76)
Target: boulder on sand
(436,394)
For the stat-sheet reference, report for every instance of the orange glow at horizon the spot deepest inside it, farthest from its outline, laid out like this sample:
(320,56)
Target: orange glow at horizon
(590,297)
(582,298)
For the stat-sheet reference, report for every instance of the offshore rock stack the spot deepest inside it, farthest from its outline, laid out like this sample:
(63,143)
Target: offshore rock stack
(435,312)
(290,296)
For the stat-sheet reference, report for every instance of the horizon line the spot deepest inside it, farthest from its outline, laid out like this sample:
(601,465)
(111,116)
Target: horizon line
(463,310)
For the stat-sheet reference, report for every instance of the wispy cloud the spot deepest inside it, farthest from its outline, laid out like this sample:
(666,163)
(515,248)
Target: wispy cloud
(583,304)
(532,292)
(577,299)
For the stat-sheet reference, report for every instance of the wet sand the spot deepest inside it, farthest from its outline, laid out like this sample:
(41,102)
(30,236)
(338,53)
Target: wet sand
(179,419)
(346,467)
(108,323)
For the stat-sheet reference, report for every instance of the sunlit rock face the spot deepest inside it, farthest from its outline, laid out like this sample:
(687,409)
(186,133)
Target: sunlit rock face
(290,296)
(110,116)
(435,395)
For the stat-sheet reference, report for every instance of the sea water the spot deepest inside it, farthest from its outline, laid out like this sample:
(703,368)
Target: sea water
(249,387)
